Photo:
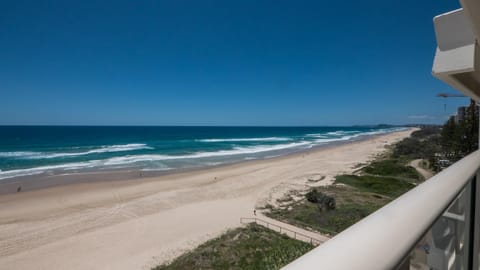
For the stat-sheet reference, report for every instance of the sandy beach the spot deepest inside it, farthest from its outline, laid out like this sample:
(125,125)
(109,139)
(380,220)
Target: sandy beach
(140,223)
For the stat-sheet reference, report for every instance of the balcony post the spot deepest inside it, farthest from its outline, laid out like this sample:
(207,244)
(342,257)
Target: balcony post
(475,244)
(475,225)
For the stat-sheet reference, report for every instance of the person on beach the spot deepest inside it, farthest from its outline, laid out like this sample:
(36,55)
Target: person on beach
(254,212)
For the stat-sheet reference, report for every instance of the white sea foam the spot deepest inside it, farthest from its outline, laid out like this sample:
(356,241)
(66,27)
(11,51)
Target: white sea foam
(131,159)
(322,141)
(343,132)
(383,131)
(155,169)
(349,134)
(353,134)
(110,163)
(42,169)
(17,154)
(18,173)
(272,156)
(250,149)
(317,135)
(234,151)
(268,139)
(332,134)
(118,162)
(103,149)
(213,163)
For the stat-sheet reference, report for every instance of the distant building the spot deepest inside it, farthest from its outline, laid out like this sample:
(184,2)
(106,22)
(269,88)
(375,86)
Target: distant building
(461,111)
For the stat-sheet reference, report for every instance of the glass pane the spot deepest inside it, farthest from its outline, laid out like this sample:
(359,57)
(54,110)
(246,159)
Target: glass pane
(445,245)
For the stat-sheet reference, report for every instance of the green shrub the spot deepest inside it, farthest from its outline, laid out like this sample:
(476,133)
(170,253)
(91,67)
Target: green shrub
(324,201)
(312,195)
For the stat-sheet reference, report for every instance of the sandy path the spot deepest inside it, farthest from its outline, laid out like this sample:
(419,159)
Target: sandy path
(425,173)
(139,223)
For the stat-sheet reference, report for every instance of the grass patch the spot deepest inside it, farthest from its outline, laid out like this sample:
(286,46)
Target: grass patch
(388,186)
(393,167)
(352,206)
(361,195)
(252,247)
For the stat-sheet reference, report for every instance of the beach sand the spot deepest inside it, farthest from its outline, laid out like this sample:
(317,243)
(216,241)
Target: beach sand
(139,223)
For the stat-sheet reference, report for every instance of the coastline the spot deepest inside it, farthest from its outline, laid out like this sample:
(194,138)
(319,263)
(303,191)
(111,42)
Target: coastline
(152,150)
(138,223)
(36,182)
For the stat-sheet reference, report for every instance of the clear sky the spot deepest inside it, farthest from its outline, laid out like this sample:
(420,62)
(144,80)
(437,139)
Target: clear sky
(248,62)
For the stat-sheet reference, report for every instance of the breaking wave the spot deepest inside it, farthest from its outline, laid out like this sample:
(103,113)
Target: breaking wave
(269,139)
(103,149)
(131,159)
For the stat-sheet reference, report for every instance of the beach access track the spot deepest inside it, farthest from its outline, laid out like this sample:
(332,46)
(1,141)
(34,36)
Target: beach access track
(291,231)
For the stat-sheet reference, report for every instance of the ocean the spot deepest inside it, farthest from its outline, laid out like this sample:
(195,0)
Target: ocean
(37,150)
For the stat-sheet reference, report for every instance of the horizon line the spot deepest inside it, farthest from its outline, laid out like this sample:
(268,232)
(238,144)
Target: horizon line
(356,125)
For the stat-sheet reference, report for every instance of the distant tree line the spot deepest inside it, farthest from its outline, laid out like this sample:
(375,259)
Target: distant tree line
(423,144)
(450,142)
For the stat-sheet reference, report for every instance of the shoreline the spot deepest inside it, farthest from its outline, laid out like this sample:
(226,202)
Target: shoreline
(43,181)
(140,223)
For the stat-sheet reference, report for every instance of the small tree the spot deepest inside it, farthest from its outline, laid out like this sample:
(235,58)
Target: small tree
(324,201)
(312,195)
(328,202)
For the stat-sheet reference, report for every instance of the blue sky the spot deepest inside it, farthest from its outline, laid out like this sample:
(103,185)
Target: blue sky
(220,62)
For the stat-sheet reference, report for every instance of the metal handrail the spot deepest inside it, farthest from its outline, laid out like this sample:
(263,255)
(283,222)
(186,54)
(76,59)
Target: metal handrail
(313,240)
(383,239)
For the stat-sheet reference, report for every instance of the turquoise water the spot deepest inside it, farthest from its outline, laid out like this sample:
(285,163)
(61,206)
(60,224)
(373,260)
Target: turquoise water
(36,150)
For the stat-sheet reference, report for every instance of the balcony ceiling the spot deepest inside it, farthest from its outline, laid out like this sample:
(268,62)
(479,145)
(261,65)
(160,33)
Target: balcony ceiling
(457,58)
